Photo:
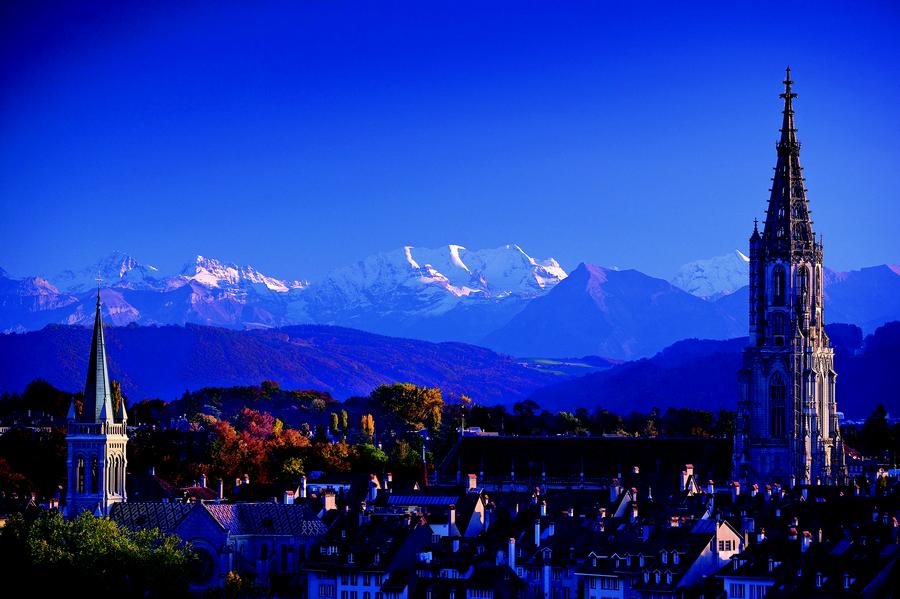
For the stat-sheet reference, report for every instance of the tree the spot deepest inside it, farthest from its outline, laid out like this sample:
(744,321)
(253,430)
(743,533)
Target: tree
(416,407)
(345,424)
(56,556)
(116,391)
(367,423)
(333,426)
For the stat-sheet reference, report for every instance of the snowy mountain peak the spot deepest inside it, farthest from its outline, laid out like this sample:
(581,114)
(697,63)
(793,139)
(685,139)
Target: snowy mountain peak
(118,269)
(714,277)
(211,272)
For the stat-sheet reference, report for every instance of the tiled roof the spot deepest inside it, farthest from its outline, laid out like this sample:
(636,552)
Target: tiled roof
(422,499)
(266,519)
(136,516)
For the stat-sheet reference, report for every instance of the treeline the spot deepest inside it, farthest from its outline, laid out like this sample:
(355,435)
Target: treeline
(276,435)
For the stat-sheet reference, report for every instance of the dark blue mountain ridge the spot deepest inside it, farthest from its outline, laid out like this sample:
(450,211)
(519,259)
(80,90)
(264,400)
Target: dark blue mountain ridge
(702,374)
(163,361)
(613,313)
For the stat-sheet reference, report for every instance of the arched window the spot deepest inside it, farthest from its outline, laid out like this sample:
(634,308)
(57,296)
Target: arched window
(779,324)
(79,475)
(95,476)
(777,395)
(817,284)
(116,475)
(778,286)
(803,280)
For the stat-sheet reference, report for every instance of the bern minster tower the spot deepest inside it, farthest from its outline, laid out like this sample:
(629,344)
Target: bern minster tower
(96,440)
(787,424)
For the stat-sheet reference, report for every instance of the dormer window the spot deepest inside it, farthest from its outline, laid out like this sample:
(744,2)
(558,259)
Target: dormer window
(818,580)
(657,577)
(674,557)
(668,578)
(593,562)
(641,562)
(665,557)
(350,558)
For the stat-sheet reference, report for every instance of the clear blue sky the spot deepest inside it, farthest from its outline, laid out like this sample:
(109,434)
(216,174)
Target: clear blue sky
(299,136)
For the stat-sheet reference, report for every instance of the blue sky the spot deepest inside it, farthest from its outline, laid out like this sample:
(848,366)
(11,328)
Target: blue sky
(300,136)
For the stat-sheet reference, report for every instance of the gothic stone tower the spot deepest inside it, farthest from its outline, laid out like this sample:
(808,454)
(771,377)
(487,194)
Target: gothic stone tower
(787,425)
(96,440)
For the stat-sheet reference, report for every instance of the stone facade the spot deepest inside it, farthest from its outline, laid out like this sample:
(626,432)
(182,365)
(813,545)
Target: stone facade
(787,427)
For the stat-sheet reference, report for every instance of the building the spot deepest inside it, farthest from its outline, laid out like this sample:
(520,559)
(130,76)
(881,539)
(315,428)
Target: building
(96,439)
(268,543)
(787,426)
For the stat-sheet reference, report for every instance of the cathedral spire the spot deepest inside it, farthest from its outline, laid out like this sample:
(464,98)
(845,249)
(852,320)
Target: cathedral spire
(97,395)
(788,227)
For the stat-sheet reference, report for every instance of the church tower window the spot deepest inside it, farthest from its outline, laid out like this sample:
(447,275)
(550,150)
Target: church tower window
(778,286)
(79,474)
(95,476)
(776,405)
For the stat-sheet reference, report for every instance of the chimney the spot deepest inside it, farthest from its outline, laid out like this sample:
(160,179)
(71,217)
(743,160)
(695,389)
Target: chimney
(768,496)
(203,480)
(472,483)
(820,535)
(455,544)
(237,485)
(246,480)
(856,489)
(551,528)
(288,498)
(452,515)
(602,512)
(634,511)
(806,541)
(571,512)
(152,471)
(711,487)
(543,508)
(511,554)
(685,474)
(221,489)
(537,533)
(614,490)
(754,490)
(761,536)
(303,487)
(362,513)
(388,482)
(330,502)
(735,491)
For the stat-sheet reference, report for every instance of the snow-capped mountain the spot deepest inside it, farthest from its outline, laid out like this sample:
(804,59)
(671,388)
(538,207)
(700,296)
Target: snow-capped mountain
(451,271)
(116,270)
(713,277)
(214,273)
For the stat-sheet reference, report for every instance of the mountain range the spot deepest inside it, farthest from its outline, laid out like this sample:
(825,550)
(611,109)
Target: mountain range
(702,374)
(500,298)
(163,361)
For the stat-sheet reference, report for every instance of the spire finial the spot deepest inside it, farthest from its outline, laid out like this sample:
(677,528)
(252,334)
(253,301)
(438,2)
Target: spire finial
(788,95)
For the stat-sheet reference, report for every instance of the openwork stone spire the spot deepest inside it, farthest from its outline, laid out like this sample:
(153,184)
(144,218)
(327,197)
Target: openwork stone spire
(788,228)
(97,394)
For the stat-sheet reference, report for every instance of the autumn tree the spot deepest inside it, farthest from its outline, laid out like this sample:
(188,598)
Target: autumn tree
(367,424)
(417,407)
(345,424)
(334,425)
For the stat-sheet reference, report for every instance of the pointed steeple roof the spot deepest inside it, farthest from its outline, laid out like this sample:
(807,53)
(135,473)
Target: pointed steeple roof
(788,226)
(97,394)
